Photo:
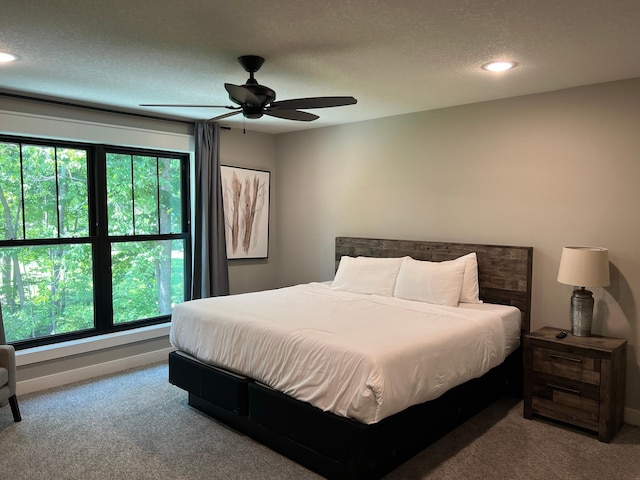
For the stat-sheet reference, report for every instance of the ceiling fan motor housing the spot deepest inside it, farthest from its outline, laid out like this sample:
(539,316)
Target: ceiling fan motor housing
(252,111)
(264,94)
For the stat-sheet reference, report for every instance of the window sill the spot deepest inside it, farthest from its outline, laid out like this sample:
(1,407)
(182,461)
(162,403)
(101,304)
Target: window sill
(45,353)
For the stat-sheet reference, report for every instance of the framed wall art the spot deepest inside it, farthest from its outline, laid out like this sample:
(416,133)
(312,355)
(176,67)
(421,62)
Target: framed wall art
(245,196)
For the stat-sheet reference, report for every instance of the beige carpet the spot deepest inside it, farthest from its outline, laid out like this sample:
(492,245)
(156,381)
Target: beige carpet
(136,425)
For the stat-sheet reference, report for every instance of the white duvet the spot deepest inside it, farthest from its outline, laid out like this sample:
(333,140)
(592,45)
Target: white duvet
(360,356)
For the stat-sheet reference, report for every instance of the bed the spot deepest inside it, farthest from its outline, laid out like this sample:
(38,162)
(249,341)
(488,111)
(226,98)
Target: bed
(361,428)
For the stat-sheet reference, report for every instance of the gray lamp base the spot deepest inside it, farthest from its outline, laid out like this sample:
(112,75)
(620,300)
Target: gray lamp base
(581,312)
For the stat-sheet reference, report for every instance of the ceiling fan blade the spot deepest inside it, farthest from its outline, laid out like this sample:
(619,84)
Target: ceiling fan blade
(185,105)
(220,117)
(313,102)
(291,115)
(241,95)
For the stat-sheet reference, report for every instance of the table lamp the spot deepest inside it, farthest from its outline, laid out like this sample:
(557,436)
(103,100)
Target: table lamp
(583,267)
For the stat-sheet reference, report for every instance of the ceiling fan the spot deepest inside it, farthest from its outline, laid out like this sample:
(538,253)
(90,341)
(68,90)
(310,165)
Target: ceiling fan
(254,100)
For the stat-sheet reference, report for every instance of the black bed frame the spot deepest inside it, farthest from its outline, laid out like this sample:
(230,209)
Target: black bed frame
(341,448)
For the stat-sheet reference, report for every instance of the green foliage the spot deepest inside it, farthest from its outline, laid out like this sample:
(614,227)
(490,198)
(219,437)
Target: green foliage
(48,289)
(51,293)
(138,277)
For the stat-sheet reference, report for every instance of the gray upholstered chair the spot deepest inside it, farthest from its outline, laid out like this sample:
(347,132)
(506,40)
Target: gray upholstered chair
(8,374)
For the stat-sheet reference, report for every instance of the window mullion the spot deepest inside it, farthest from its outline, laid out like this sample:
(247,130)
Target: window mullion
(55,162)
(24,223)
(133,198)
(101,250)
(158,194)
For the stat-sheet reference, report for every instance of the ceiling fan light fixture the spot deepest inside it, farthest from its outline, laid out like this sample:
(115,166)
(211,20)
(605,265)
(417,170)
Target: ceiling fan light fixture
(6,57)
(501,66)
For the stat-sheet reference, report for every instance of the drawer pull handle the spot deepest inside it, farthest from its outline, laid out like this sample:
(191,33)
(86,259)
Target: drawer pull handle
(561,357)
(564,389)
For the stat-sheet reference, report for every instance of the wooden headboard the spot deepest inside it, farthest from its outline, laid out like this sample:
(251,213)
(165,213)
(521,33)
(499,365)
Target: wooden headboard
(504,272)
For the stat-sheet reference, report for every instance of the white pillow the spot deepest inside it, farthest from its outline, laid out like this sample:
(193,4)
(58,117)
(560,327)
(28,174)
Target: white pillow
(367,275)
(439,283)
(470,292)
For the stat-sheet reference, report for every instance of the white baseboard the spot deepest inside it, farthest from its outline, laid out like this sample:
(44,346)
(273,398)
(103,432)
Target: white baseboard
(632,417)
(91,371)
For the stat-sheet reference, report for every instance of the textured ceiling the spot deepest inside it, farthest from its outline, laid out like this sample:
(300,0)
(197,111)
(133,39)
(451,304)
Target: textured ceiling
(395,57)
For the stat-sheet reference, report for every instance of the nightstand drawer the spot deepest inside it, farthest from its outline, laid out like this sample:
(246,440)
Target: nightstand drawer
(573,366)
(566,400)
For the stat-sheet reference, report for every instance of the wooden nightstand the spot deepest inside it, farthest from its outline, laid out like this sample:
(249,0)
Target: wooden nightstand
(575,380)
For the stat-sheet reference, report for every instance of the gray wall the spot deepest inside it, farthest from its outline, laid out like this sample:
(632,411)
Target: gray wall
(544,170)
(258,151)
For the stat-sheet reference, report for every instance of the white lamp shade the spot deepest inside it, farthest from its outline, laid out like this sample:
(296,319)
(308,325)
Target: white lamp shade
(584,266)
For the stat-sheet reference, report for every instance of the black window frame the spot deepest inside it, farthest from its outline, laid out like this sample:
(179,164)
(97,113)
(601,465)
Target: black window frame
(98,236)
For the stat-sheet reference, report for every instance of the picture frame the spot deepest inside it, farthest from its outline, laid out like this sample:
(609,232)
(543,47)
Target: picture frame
(246,201)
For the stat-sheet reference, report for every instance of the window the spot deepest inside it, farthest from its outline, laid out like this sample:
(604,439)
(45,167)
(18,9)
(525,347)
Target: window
(93,239)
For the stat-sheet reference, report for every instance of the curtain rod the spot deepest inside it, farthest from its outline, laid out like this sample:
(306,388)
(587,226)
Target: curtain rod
(97,109)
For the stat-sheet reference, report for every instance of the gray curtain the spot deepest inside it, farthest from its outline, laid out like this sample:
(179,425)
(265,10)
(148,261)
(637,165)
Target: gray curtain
(3,338)
(210,272)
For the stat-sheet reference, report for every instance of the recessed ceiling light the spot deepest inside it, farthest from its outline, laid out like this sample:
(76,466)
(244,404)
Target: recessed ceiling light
(499,66)
(7,57)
